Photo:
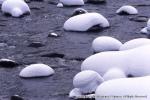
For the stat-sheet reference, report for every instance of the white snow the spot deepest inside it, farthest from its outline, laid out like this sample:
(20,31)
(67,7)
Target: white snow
(87,81)
(15,7)
(106,43)
(127,9)
(83,22)
(36,70)
(134,61)
(114,73)
(135,43)
(124,87)
(72,2)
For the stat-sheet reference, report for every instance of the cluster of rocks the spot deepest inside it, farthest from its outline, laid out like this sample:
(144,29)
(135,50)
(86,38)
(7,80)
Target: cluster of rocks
(110,67)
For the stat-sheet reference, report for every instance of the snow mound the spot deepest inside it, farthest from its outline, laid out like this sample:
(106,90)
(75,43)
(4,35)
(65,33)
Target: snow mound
(36,70)
(127,9)
(114,73)
(133,62)
(72,2)
(87,81)
(16,8)
(135,43)
(85,21)
(125,89)
(106,43)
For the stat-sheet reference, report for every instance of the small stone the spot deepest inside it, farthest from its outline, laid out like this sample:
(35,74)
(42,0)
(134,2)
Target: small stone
(3,45)
(7,63)
(79,11)
(16,97)
(60,5)
(36,44)
(139,19)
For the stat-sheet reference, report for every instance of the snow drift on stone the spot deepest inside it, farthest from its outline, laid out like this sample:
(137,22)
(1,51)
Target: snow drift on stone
(85,21)
(36,70)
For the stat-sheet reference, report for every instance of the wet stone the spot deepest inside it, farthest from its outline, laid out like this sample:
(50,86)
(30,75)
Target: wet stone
(36,44)
(53,55)
(16,97)
(139,18)
(8,63)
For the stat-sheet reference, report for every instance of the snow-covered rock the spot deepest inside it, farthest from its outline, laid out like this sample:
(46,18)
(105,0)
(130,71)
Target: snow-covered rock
(87,81)
(16,8)
(106,43)
(124,89)
(133,62)
(127,9)
(144,30)
(114,73)
(79,11)
(72,2)
(60,5)
(36,70)
(75,93)
(135,43)
(85,21)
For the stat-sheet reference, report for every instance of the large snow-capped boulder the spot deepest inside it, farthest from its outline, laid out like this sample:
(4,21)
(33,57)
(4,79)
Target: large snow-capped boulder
(16,8)
(85,21)
(127,9)
(36,70)
(135,43)
(87,81)
(124,89)
(72,2)
(105,43)
(133,62)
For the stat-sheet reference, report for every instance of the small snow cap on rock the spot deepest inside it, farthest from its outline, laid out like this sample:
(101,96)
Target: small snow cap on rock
(85,22)
(8,63)
(135,43)
(87,81)
(114,73)
(127,9)
(16,8)
(75,93)
(72,2)
(146,30)
(79,11)
(16,97)
(36,70)
(60,5)
(106,43)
